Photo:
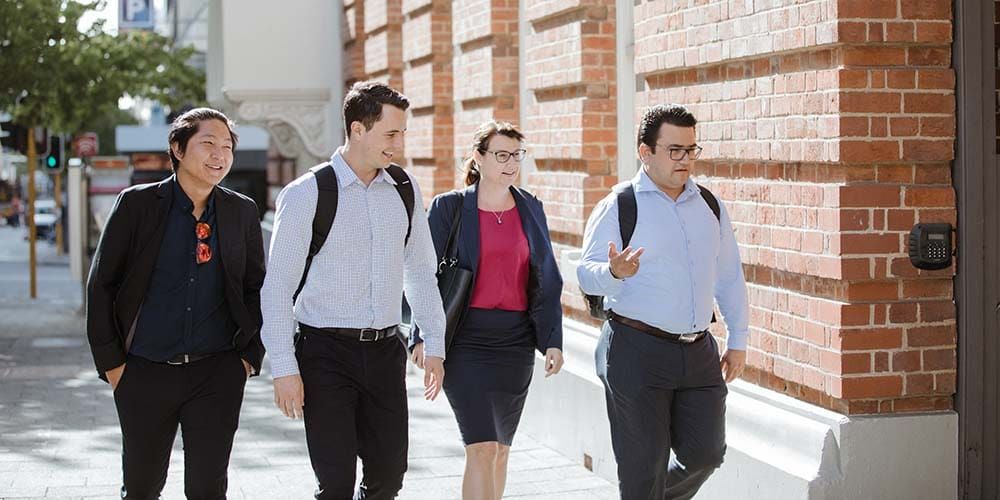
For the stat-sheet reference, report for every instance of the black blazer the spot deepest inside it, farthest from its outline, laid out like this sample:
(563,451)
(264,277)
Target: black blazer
(126,255)
(544,281)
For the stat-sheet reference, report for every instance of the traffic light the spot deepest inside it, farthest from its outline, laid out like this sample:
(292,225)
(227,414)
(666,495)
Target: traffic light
(53,161)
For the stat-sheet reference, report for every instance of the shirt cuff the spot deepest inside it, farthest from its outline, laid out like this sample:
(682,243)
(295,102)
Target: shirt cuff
(737,341)
(609,283)
(283,365)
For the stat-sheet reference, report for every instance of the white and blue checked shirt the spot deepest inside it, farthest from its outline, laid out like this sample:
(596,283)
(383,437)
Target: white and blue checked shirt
(358,277)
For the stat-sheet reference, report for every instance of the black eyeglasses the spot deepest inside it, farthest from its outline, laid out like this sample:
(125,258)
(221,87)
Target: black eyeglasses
(678,154)
(505,156)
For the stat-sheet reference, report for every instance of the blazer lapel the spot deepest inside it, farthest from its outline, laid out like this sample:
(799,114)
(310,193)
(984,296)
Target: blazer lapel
(157,217)
(227,230)
(532,228)
(469,237)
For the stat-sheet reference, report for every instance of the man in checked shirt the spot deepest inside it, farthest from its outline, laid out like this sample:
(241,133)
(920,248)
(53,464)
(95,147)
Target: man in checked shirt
(346,373)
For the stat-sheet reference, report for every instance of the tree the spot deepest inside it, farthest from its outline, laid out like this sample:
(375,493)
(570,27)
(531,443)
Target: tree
(54,74)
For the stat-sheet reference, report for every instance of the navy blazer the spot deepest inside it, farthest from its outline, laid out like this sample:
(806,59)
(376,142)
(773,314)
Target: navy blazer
(544,281)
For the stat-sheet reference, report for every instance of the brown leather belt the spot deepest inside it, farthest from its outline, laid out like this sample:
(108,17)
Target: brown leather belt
(677,338)
(359,334)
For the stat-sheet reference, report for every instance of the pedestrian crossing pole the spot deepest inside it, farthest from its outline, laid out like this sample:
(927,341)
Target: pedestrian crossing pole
(30,213)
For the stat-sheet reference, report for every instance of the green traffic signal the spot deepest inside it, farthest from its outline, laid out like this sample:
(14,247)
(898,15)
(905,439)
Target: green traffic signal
(51,162)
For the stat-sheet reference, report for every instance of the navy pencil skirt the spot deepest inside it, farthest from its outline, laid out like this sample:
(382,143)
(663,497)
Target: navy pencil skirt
(487,373)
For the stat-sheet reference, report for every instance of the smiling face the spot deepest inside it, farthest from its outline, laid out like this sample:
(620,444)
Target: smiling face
(669,175)
(383,141)
(492,170)
(208,156)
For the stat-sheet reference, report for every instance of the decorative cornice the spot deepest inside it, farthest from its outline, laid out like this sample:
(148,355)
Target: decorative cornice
(297,120)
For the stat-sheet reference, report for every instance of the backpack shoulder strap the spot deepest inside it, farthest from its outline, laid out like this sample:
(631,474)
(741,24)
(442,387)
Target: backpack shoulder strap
(628,212)
(712,201)
(405,189)
(326,211)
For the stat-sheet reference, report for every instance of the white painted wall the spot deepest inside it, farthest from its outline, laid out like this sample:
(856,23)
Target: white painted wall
(778,447)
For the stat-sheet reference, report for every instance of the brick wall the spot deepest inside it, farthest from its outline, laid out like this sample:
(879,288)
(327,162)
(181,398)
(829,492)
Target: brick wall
(831,126)
(828,128)
(485,67)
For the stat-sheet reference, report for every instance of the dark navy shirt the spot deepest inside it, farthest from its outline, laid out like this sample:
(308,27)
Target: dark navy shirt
(185,310)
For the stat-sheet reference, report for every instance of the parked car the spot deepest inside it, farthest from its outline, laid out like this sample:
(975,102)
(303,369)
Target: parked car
(46,215)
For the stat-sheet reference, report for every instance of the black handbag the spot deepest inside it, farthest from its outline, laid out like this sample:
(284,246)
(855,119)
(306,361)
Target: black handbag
(454,282)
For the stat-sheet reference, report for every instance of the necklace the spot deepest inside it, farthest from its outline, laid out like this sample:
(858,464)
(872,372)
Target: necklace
(498,215)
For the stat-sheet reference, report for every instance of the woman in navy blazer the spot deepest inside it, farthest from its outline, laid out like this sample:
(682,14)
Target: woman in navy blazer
(513,309)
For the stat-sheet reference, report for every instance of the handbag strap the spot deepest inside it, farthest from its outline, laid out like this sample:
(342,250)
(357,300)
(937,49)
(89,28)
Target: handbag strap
(450,248)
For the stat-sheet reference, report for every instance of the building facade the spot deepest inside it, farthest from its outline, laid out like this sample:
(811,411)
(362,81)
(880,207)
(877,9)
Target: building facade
(830,128)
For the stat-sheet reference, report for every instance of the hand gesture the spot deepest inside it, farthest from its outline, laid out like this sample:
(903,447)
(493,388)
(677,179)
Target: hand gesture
(624,264)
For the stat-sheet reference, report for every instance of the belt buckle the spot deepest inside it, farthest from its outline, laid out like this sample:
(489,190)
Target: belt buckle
(688,338)
(186,360)
(368,335)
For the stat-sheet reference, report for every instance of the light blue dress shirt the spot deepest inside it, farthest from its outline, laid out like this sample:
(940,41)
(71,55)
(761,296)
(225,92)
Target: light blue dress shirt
(690,258)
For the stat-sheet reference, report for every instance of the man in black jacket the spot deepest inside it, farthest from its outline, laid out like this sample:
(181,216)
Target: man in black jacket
(174,315)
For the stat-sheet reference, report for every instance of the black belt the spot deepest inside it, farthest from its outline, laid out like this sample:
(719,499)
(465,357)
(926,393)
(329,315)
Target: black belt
(183,359)
(677,338)
(359,334)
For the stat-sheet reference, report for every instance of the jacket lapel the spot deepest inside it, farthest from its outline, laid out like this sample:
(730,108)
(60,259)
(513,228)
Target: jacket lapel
(532,228)
(227,230)
(469,236)
(157,219)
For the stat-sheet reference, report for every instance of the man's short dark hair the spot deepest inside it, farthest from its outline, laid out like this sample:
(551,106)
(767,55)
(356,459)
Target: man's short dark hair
(187,124)
(363,103)
(656,116)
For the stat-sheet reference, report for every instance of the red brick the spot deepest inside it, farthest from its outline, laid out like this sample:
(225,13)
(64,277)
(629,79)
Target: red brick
(870,338)
(919,383)
(925,336)
(927,150)
(869,102)
(929,197)
(925,9)
(866,9)
(928,288)
(872,387)
(868,151)
(939,359)
(931,312)
(869,243)
(903,313)
(906,361)
(869,196)
(928,103)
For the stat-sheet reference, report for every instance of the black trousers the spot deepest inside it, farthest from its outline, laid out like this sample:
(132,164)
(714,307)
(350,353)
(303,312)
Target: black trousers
(662,396)
(203,398)
(355,406)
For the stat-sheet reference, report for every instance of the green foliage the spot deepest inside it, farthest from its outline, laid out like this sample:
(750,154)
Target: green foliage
(55,75)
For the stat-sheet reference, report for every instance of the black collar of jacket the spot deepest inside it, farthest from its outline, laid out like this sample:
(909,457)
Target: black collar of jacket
(226,216)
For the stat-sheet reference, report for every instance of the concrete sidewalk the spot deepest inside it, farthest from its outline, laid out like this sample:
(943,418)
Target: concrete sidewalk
(59,434)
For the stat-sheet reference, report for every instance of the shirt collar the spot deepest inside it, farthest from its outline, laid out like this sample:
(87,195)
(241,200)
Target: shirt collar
(642,182)
(346,176)
(183,202)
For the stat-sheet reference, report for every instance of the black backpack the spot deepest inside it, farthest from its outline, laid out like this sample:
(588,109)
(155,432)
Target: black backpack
(627,215)
(326,208)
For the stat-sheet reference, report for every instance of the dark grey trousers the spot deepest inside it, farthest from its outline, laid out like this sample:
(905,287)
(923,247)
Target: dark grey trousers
(662,396)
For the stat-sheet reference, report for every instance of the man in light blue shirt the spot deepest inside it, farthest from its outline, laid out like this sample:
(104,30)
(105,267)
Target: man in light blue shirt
(664,378)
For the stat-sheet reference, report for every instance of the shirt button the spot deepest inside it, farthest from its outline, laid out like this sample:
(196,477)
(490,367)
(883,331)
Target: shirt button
(189,309)
(192,280)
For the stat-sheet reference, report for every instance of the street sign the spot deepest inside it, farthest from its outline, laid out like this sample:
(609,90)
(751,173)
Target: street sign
(85,145)
(135,14)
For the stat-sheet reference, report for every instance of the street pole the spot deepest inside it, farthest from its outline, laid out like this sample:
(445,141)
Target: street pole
(30,213)
(59,209)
